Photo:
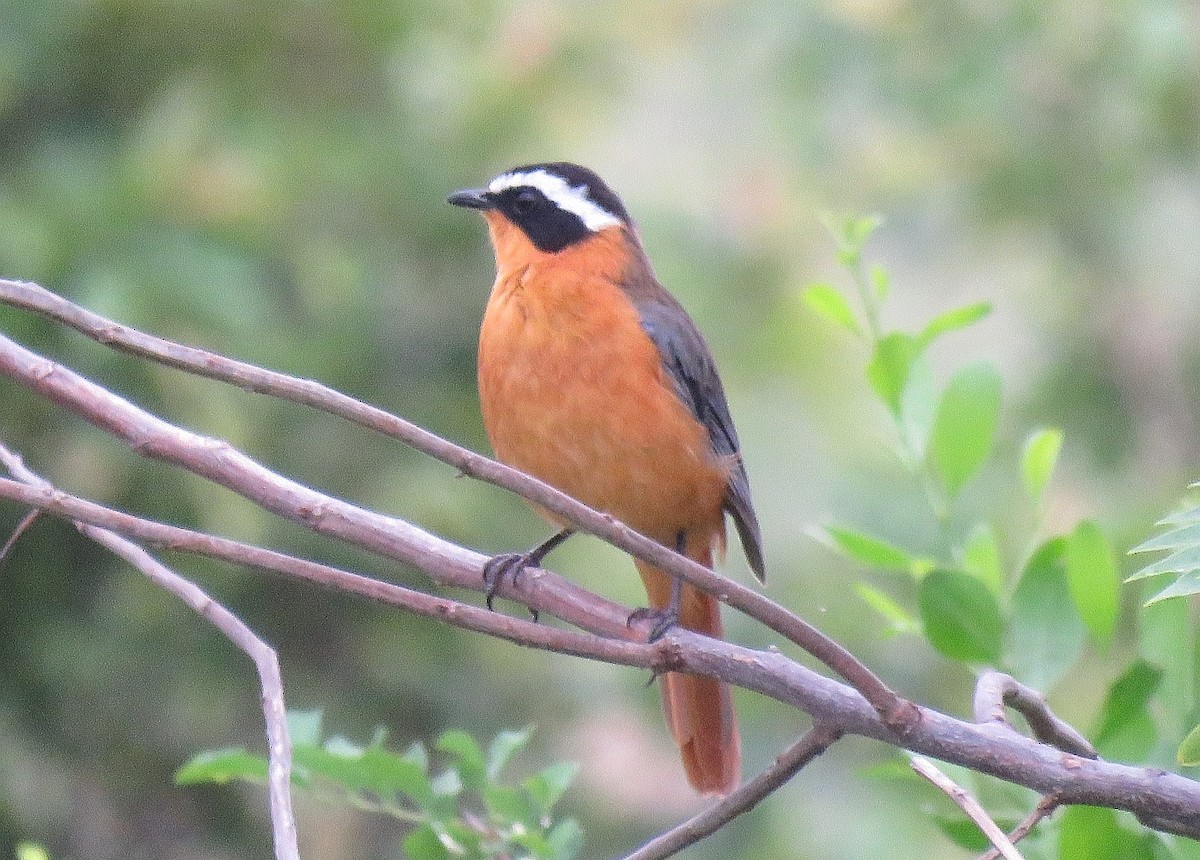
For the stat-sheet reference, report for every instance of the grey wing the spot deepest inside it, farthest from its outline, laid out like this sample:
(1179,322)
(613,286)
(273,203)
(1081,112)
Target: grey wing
(689,363)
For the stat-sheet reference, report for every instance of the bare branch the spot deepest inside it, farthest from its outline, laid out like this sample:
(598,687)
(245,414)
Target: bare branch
(814,742)
(897,712)
(466,616)
(1045,807)
(266,662)
(1171,801)
(23,526)
(968,804)
(994,690)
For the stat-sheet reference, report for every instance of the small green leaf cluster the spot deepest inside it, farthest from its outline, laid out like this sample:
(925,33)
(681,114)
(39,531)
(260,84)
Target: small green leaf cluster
(1182,539)
(1067,589)
(1035,616)
(463,810)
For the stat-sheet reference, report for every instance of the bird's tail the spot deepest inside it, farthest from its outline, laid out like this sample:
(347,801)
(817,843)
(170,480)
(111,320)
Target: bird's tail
(699,710)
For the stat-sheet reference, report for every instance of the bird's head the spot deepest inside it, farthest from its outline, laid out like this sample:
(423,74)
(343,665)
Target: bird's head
(555,205)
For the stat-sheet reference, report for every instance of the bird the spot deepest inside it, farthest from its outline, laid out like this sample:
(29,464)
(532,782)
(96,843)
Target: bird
(594,379)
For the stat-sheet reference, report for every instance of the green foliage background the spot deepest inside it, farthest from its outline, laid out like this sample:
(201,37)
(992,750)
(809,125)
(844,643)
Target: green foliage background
(267,180)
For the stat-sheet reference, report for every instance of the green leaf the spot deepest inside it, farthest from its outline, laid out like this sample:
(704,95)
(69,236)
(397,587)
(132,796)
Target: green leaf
(918,404)
(888,369)
(830,303)
(981,556)
(899,619)
(533,841)
(851,234)
(1176,538)
(881,282)
(1038,459)
(503,747)
(304,727)
(1187,584)
(1187,515)
(961,617)
(423,844)
(1046,635)
(464,748)
(222,766)
(565,840)
(859,229)
(952,320)
(1188,754)
(875,552)
(365,769)
(386,774)
(548,786)
(1127,731)
(1167,639)
(1128,694)
(1092,577)
(505,803)
(1092,833)
(1183,561)
(965,424)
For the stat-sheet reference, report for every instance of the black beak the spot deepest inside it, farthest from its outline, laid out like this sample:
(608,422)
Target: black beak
(472,198)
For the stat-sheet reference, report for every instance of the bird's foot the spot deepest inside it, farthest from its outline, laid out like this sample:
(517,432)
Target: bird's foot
(508,564)
(661,620)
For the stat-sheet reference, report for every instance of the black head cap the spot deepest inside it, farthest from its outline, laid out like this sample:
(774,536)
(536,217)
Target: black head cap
(555,204)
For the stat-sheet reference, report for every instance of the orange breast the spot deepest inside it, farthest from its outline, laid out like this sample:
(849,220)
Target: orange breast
(573,391)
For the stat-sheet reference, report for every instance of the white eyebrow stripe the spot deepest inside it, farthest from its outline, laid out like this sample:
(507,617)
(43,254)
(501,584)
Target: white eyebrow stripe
(561,194)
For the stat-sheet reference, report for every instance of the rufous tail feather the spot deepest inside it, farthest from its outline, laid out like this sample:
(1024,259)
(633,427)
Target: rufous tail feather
(699,710)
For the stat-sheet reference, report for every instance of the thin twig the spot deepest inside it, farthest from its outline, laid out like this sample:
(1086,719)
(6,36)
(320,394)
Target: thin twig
(23,526)
(1045,807)
(266,662)
(898,713)
(994,690)
(814,742)
(968,804)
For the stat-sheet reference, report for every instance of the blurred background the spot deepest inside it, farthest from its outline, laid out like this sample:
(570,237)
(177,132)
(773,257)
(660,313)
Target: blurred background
(267,180)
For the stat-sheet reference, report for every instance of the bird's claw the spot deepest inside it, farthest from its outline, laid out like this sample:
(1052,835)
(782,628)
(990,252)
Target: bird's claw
(495,569)
(661,620)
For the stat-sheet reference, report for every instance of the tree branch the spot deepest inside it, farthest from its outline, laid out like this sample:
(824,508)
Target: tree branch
(897,712)
(22,527)
(994,690)
(969,805)
(52,501)
(266,662)
(814,742)
(1045,807)
(1171,800)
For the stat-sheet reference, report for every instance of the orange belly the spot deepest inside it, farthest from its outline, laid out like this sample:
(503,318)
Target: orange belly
(573,392)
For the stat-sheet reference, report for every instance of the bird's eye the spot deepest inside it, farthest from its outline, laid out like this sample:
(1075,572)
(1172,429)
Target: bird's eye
(525,202)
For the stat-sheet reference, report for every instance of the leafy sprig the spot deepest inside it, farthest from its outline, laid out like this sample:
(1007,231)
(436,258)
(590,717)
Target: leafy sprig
(464,809)
(1033,616)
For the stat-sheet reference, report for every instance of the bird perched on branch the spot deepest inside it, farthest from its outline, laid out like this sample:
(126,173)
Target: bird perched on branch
(593,378)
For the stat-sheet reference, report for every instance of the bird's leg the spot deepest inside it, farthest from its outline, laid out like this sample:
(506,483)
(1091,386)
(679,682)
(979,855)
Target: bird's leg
(667,617)
(512,564)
